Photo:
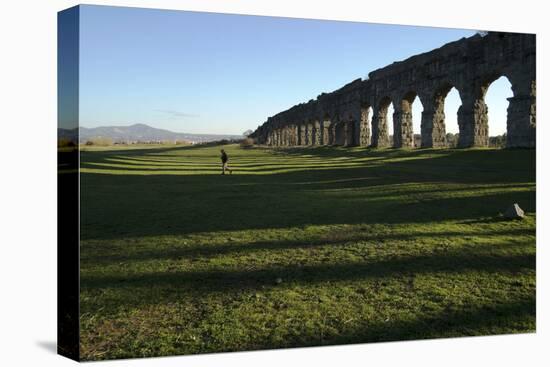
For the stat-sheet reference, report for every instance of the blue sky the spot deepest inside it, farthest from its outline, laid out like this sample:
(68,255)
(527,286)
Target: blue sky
(220,73)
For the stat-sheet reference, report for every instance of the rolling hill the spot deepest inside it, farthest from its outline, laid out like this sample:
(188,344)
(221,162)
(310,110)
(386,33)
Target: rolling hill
(138,132)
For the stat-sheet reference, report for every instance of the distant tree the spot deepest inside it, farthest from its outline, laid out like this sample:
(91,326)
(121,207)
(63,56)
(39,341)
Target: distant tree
(247,132)
(498,141)
(452,140)
(247,143)
(101,141)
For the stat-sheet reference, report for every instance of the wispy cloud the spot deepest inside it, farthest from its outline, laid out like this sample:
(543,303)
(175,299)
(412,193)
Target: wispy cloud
(174,113)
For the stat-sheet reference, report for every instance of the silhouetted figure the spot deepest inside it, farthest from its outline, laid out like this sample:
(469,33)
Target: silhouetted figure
(225,165)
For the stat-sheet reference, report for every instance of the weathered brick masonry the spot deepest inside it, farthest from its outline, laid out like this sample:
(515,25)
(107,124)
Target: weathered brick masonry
(469,64)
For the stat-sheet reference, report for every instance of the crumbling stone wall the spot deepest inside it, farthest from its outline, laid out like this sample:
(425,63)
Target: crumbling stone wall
(469,64)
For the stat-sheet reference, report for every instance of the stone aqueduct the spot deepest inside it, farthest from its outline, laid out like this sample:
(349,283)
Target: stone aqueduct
(469,64)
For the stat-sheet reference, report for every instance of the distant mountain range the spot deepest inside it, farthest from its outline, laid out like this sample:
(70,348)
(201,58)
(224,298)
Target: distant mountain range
(138,133)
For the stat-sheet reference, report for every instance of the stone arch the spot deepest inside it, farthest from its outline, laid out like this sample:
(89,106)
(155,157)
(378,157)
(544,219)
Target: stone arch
(380,136)
(498,126)
(432,127)
(473,113)
(469,65)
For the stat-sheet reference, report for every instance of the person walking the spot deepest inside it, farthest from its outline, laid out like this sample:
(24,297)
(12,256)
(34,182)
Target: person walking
(225,165)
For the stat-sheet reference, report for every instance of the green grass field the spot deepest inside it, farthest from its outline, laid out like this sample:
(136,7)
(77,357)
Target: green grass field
(301,247)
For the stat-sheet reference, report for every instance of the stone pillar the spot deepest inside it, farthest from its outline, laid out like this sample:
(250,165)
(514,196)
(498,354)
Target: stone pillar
(432,126)
(357,131)
(522,119)
(326,132)
(473,123)
(345,133)
(332,133)
(364,130)
(301,134)
(397,129)
(380,136)
(287,136)
(403,136)
(348,132)
(291,135)
(316,133)
(338,133)
(295,133)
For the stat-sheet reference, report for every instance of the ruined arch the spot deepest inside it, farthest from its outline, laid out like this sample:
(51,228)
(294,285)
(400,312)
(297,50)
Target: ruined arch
(434,125)
(497,105)
(470,65)
(473,115)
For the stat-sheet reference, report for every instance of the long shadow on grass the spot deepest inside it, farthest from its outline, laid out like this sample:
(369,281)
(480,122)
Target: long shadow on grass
(230,280)
(115,254)
(169,213)
(481,320)
(514,316)
(117,206)
(354,152)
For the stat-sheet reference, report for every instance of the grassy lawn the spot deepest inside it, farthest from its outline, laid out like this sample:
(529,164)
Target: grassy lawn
(301,247)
